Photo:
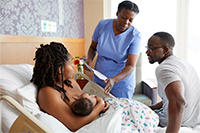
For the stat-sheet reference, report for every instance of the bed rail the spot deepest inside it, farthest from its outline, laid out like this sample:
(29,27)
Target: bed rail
(93,88)
(25,122)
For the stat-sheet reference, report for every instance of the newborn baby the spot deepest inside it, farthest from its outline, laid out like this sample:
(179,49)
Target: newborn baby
(84,104)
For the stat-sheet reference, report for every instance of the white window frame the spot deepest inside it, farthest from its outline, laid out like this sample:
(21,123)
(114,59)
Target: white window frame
(182,28)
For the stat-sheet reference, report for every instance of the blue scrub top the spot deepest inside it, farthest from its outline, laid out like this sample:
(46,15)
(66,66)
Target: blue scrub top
(112,55)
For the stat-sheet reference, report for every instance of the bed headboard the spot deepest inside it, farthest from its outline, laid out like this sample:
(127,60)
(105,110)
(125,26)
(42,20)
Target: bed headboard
(21,49)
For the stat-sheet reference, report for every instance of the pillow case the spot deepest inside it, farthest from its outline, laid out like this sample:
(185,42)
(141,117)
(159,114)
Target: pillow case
(13,77)
(26,96)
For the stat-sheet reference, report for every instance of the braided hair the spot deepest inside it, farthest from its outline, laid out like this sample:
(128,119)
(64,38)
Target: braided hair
(48,59)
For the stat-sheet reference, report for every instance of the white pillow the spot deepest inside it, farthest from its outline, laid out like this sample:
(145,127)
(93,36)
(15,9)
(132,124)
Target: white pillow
(27,98)
(13,77)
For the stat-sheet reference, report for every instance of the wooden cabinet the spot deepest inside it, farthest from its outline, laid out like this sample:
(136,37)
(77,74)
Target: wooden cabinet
(82,82)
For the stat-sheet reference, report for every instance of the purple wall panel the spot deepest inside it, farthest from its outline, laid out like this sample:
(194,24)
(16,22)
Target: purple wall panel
(23,17)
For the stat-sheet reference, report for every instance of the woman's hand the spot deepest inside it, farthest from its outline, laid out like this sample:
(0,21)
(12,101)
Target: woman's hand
(106,107)
(100,101)
(110,83)
(103,102)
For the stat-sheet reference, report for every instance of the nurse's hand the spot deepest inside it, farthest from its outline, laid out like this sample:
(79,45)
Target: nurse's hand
(89,62)
(110,82)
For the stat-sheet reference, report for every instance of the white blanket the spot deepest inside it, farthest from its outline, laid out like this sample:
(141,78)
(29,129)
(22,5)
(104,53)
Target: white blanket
(124,116)
(182,129)
(112,121)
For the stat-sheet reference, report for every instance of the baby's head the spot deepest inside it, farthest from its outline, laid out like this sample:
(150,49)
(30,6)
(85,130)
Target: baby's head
(84,105)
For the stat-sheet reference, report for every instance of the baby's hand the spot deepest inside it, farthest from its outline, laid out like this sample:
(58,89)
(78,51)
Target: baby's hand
(75,97)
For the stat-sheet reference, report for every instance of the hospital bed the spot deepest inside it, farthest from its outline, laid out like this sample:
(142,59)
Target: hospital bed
(18,107)
(15,84)
(91,87)
(20,112)
(25,122)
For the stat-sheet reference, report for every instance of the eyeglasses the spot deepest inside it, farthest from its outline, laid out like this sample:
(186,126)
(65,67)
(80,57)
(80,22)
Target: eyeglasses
(151,49)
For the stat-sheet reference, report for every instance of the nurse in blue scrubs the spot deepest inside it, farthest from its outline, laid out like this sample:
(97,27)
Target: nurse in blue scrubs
(117,43)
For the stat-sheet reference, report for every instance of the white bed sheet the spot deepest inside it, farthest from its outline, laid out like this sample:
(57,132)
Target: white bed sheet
(110,123)
(182,129)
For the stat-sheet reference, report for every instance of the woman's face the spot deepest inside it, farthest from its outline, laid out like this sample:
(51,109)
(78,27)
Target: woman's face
(124,19)
(68,68)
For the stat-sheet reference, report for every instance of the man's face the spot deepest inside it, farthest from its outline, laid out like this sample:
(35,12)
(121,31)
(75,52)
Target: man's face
(155,50)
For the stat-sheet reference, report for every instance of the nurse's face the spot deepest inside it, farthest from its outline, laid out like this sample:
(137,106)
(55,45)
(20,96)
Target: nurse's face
(124,19)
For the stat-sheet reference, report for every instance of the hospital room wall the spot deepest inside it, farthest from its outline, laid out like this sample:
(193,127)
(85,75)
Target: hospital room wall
(21,26)
(93,13)
(24,18)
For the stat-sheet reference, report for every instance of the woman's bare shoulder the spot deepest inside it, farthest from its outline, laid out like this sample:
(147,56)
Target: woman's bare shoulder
(48,91)
(48,96)
(51,102)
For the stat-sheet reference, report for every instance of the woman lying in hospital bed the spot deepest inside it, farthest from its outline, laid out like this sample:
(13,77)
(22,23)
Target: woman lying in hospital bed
(53,73)
(15,81)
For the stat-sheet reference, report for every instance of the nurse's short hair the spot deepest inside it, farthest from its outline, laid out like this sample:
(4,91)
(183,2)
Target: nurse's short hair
(129,6)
